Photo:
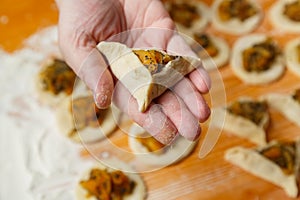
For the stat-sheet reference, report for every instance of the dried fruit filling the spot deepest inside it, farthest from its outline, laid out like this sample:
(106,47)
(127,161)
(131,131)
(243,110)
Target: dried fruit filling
(153,60)
(298,52)
(260,57)
(283,155)
(292,11)
(151,144)
(296,95)
(205,42)
(104,185)
(184,14)
(254,111)
(240,9)
(86,113)
(58,77)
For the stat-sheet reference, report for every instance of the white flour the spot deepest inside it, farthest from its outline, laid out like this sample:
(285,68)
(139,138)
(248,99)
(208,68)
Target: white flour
(36,161)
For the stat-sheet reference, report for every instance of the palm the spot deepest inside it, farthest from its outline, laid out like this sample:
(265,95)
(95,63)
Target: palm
(145,14)
(139,14)
(135,26)
(138,23)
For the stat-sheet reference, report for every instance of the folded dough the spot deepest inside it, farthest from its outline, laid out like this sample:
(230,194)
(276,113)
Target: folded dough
(146,73)
(286,104)
(242,126)
(255,162)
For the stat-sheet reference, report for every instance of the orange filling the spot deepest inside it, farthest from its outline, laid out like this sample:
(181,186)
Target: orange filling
(260,57)
(292,11)
(153,60)
(296,96)
(240,9)
(86,113)
(151,144)
(184,14)
(283,155)
(254,111)
(205,42)
(298,52)
(58,77)
(104,185)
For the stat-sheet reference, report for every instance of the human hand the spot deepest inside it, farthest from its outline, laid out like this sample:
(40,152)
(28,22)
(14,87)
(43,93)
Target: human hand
(84,23)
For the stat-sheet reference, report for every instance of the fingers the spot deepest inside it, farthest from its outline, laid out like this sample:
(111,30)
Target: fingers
(186,123)
(188,90)
(82,24)
(91,67)
(153,120)
(78,49)
(178,46)
(200,79)
(192,98)
(94,72)
(199,76)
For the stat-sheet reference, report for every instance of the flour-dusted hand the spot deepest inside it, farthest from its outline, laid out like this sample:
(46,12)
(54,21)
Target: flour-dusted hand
(85,23)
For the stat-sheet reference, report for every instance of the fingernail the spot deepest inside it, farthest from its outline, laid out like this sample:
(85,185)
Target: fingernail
(167,134)
(101,100)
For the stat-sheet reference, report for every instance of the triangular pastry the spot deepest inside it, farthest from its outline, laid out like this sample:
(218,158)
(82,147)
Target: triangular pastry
(146,73)
(246,118)
(276,162)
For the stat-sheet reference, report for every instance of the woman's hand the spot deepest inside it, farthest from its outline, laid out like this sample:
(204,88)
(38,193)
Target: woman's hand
(84,23)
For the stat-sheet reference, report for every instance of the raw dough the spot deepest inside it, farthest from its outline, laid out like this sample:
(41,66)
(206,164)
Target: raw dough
(141,83)
(236,26)
(273,73)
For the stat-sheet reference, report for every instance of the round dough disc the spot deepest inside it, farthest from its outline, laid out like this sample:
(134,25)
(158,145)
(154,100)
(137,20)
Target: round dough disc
(235,26)
(255,78)
(170,155)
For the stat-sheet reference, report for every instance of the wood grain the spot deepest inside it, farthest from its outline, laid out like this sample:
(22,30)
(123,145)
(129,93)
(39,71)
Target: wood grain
(197,179)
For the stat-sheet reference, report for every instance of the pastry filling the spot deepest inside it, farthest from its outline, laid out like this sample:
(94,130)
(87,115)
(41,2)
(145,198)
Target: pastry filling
(283,155)
(153,60)
(298,52)
(208,45)
(151,144)
(58,77)
(104,185)
(254,111)
(86,113)
(260,57)
(184,14)
(240,9)
(292,11)
(296,96)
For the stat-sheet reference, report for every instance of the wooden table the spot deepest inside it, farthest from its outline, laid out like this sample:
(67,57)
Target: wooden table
(210,177)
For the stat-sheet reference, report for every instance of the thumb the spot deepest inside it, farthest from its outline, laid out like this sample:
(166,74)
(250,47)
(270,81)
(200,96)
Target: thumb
(94,72)
(92,69)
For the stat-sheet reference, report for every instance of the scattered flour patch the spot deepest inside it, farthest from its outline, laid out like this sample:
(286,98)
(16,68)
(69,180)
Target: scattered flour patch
(37,163)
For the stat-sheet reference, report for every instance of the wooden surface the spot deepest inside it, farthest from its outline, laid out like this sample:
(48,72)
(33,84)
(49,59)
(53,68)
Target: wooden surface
(19,19)
(196,179)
